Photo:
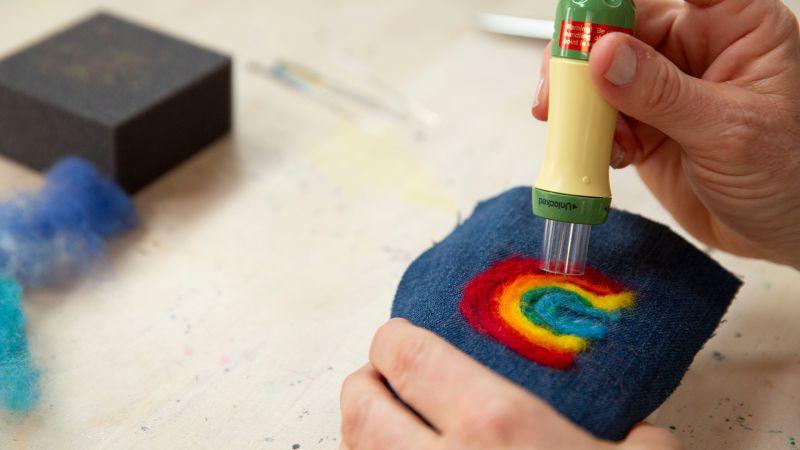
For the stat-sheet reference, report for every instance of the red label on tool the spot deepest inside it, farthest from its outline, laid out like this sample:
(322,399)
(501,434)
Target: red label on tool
(581,36)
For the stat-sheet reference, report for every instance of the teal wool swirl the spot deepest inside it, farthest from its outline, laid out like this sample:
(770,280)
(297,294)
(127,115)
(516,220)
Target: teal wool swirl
(565,312)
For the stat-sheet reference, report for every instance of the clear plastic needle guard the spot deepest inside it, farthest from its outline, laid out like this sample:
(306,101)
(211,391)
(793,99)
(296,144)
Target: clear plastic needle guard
(573,191)
(564,247)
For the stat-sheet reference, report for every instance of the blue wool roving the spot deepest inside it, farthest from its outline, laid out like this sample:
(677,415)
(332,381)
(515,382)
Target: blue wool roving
(61,230)
(44,238)
(18,378)
(566,313)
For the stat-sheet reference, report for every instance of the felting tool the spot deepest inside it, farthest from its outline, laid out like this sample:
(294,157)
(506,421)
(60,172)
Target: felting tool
(573,191)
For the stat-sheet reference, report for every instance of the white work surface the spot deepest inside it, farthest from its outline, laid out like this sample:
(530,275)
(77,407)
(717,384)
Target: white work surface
(263,265)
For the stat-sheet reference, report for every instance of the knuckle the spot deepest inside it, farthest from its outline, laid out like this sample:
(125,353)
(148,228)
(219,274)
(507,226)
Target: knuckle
(494,422)
(665,92)
(355,415)
(385,333)
(734,139)
(409,360)
(348,383)
(382,333)
(743,131)
(787,20)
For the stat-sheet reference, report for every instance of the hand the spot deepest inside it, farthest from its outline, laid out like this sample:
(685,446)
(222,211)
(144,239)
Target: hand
(468,406)
(709,92)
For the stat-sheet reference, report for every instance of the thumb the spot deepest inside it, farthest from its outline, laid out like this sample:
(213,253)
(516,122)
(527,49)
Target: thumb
(645,85)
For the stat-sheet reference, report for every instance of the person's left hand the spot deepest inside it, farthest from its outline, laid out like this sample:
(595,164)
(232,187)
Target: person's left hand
(468,406)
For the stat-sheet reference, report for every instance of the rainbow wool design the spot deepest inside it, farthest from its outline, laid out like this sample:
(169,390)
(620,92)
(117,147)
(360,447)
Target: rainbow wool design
(544,317)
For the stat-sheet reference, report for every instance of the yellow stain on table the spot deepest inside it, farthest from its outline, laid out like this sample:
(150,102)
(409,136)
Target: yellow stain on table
(361,160)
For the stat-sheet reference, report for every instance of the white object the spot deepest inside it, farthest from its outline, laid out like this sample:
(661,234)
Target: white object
(516,26)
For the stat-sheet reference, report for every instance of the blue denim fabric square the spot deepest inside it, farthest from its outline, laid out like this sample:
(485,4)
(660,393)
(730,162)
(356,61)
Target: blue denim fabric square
(681,295)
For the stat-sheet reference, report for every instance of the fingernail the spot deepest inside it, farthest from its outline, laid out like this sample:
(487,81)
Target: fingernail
(538,99)
(623,68)
(617,156)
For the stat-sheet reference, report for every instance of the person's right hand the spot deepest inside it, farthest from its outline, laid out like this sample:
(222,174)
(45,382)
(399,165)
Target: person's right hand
(710,93)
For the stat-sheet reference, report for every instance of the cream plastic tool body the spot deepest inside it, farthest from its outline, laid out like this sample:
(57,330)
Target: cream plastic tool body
(580,133)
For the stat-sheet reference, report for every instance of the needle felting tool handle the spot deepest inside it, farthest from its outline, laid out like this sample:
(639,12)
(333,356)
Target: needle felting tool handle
(573,190)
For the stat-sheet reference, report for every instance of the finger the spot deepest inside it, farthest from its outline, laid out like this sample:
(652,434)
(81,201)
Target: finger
(643,84)
(541,103)
(761,34)
(469,403)
(431,375)
(373,419)
(654,20)
(460,397)
(706,29)
(438,380)
(646,436)
(627,148)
